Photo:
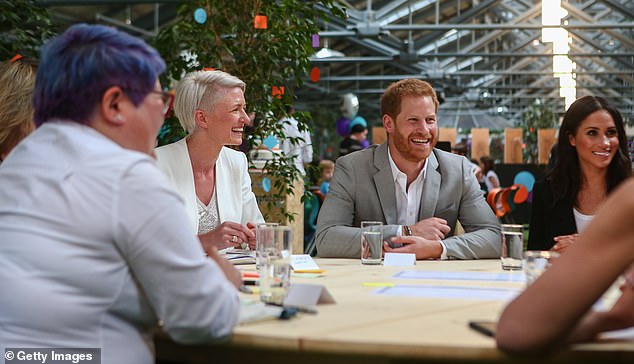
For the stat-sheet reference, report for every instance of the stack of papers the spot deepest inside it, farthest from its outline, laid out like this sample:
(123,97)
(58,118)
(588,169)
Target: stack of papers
(239,256)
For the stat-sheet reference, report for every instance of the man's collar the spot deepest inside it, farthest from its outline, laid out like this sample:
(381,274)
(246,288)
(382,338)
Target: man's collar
(396,171)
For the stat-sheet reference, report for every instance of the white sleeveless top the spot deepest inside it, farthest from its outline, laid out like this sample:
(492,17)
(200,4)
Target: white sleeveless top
(581,220)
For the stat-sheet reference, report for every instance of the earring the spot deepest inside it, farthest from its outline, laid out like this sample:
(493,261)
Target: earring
(118,118)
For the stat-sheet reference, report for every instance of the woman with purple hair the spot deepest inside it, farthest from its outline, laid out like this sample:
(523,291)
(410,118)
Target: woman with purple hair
(95,244)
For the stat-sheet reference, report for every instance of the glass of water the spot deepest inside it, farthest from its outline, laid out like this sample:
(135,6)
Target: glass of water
(275,266)
(371,242)
(536,262)
(264,240)
(512,246)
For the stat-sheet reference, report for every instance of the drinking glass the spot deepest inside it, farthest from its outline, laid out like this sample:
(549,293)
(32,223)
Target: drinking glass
(275,267)
(512,246)
(264,240)
(371,242)
(536,262)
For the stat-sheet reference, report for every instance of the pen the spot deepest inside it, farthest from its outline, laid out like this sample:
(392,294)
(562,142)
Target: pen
(308,271)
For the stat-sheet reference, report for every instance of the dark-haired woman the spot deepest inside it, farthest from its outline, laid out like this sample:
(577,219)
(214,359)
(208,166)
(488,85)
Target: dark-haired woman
(489,177)
(592,160)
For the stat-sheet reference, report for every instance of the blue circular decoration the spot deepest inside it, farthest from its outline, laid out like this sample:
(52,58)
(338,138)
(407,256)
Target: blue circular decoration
(266,184)
(200,15)
(525,178)
(270,141)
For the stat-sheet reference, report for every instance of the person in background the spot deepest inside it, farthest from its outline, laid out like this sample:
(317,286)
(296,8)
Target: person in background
(327,168)
(461,149)
(416,190)
(17,78)
(302,150)
(592,159)
(537,323)
(489,176)
(213,179)
(354,141)
(95,245)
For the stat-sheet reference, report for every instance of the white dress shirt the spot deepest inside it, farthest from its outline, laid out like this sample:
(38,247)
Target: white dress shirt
(95,248)
(408,200)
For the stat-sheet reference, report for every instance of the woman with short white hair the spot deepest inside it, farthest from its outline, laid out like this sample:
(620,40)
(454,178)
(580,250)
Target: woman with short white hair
(212,179)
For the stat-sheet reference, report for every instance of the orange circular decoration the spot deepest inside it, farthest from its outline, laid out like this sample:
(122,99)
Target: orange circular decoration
(315,74)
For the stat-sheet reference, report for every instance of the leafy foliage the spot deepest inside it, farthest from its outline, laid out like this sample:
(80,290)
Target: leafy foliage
(24,27)
(536,116)
(277,56)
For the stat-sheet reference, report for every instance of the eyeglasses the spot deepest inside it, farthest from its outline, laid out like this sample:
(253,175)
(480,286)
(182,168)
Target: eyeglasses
(167,98)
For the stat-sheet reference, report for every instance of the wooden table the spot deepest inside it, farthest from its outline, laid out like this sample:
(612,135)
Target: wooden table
(364,326)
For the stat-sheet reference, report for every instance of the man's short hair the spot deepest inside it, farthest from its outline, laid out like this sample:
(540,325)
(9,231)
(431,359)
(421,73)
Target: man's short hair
(391,98)
(358,128)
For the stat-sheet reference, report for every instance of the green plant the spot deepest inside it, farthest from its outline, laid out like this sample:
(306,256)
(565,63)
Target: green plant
(536,116)
(24,27)
(275,57)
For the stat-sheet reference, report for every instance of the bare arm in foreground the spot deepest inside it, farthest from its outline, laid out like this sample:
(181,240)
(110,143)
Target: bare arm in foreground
(536,321)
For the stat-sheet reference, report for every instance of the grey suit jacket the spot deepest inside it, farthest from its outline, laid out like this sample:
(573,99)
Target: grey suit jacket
(363,188)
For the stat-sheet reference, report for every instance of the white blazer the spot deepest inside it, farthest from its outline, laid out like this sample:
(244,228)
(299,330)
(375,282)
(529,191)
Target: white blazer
(236,201)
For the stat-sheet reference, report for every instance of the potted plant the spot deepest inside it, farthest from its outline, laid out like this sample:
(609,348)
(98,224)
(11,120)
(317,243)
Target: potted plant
(267,44)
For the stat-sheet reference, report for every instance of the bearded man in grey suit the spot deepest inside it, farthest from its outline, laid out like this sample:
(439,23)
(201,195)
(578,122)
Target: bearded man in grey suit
(417,191)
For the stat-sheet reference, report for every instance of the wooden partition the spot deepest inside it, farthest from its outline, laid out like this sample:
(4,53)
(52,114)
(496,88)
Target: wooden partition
(447,135)
(513,146)
(545,140)
(379,136)
(479,143)
(292,204)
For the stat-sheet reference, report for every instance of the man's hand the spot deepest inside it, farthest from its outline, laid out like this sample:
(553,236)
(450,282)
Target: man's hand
(423,248)
(433,228)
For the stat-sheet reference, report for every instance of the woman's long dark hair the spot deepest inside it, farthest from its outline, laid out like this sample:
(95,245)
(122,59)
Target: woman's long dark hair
(565,176)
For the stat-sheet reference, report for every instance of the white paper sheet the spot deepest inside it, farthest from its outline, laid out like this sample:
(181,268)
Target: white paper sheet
(303,262)
(471,293)
(463,276)
(625,334)
(399,260)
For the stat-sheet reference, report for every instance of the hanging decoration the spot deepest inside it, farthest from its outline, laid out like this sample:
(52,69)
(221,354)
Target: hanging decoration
(315,74)
(260,22)
(266,184)
(277,91)
(200,16)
